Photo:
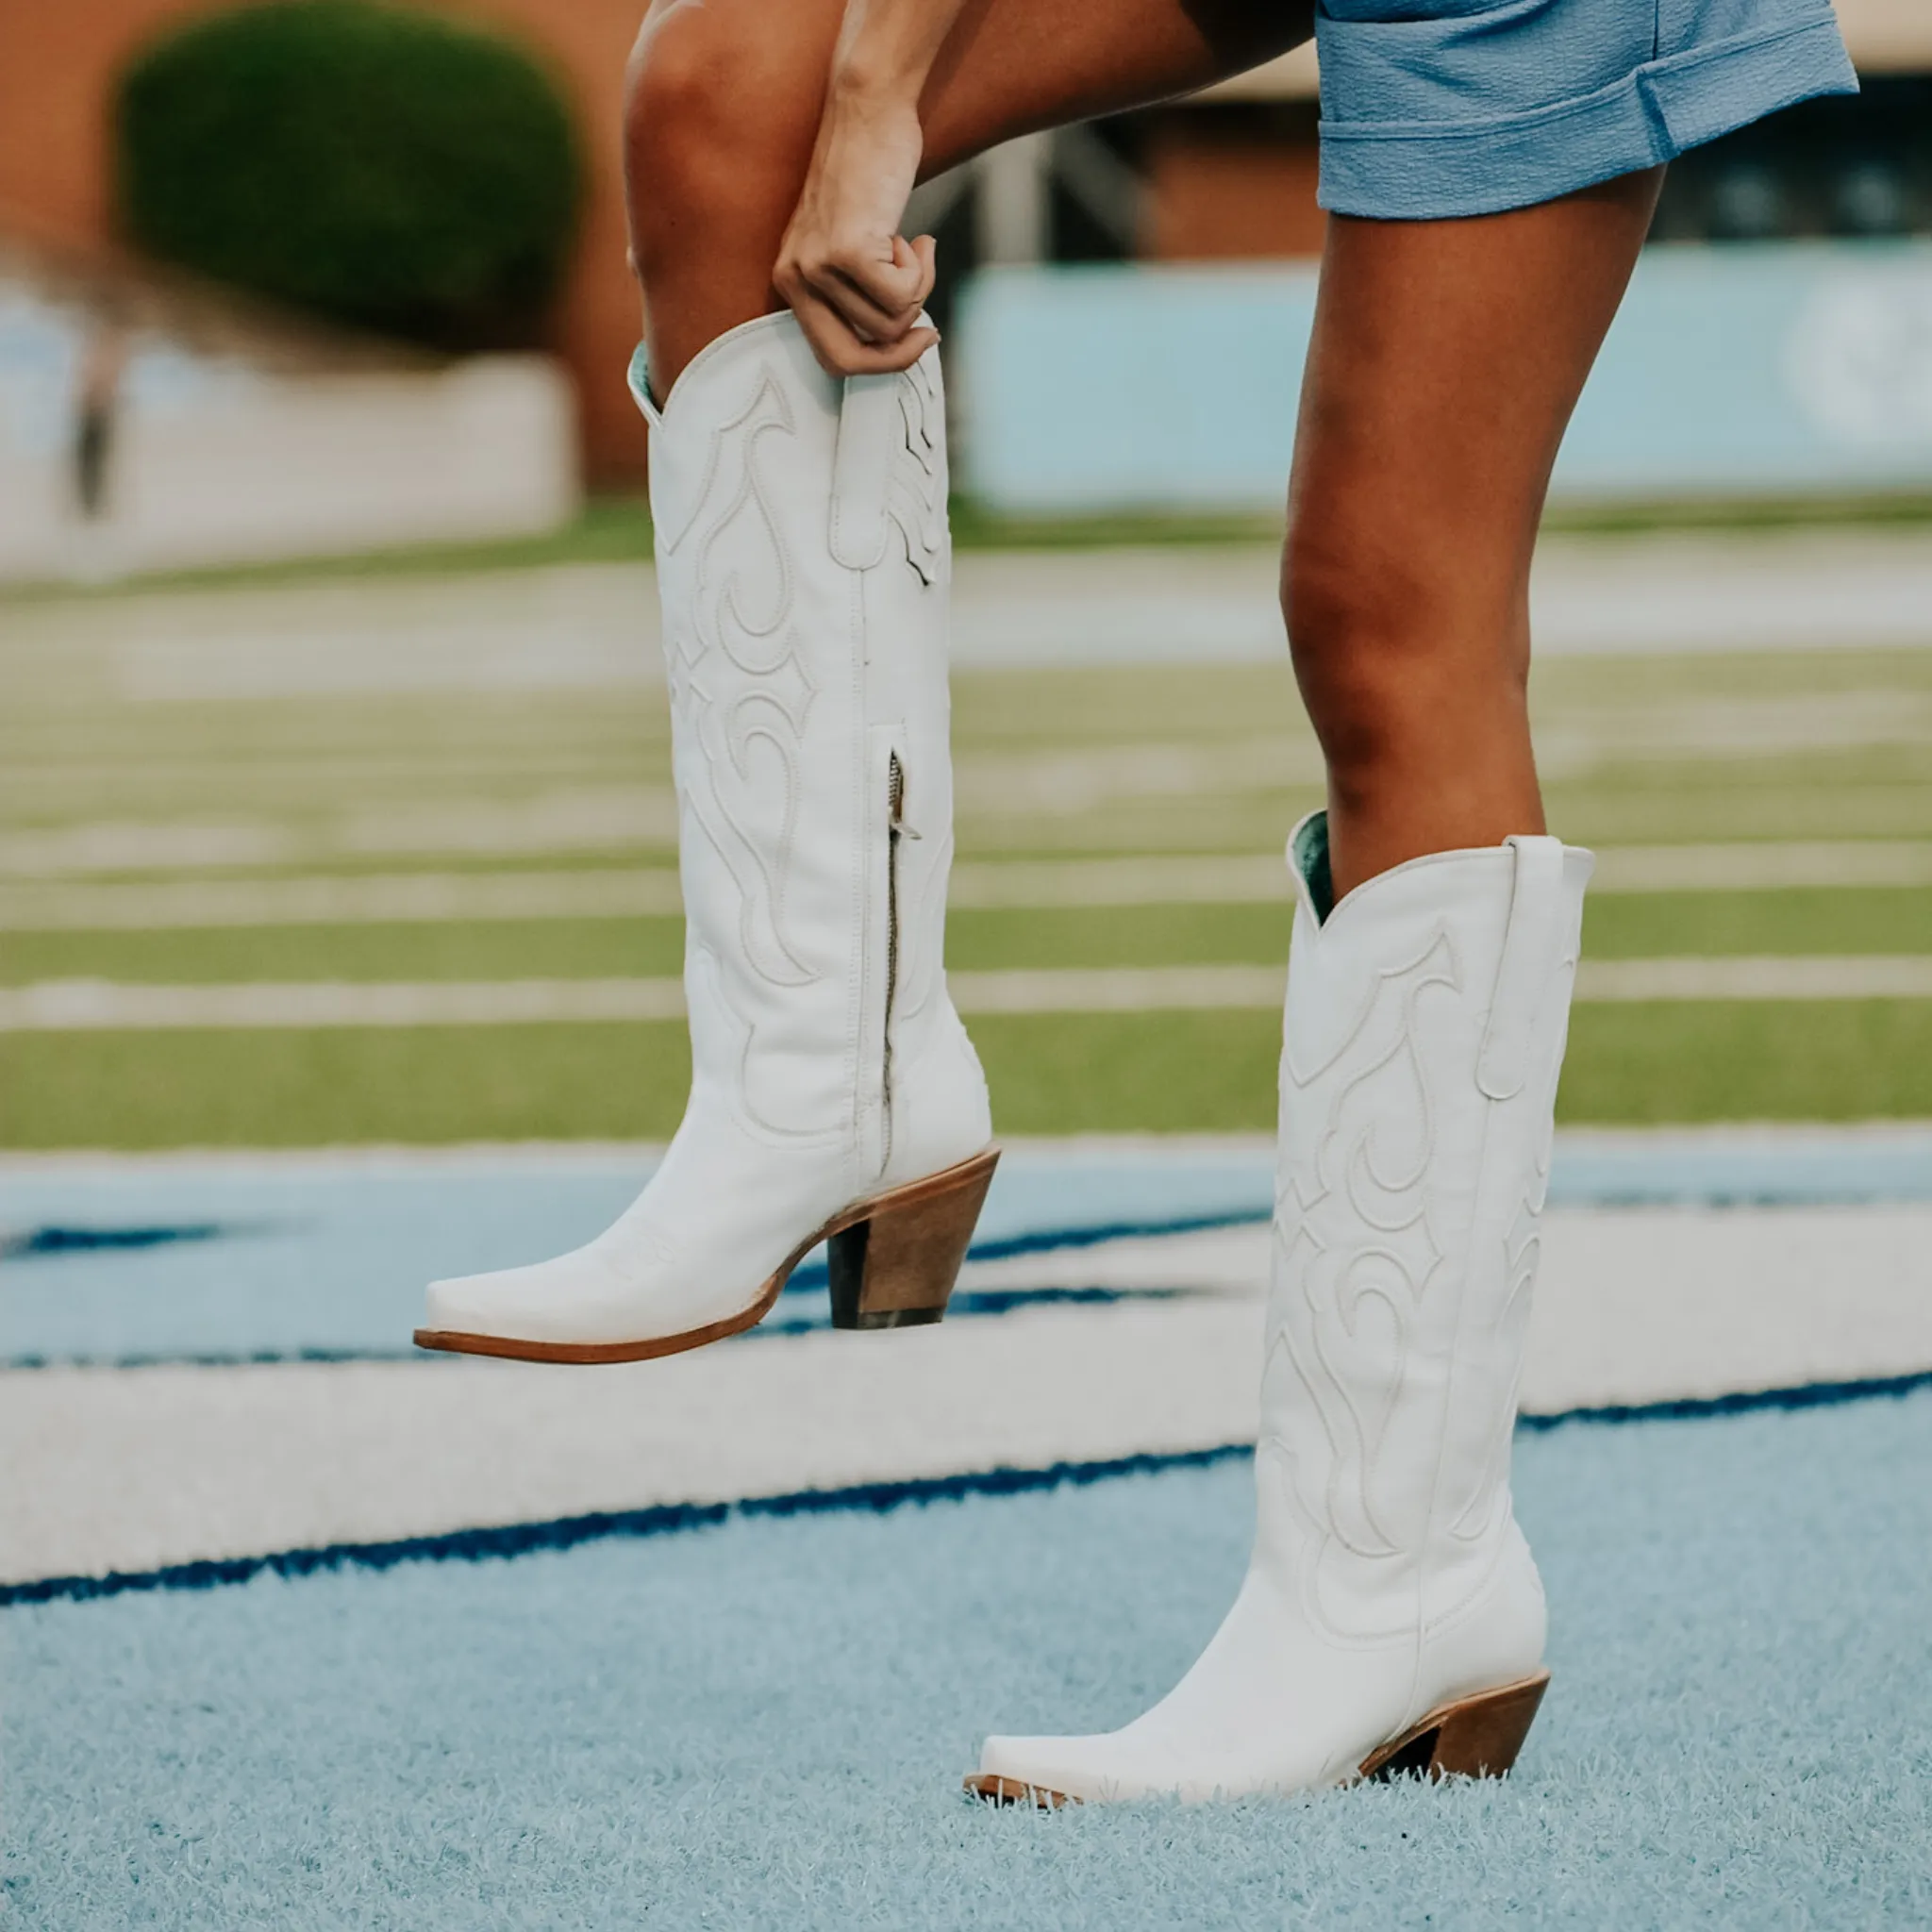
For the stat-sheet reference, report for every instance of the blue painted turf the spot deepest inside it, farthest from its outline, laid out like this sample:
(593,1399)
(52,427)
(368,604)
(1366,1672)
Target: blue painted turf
(333,1262)
(763,1724)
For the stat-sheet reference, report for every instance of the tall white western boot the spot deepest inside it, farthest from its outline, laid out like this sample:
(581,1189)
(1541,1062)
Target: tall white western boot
(1391,1614)
(804,563)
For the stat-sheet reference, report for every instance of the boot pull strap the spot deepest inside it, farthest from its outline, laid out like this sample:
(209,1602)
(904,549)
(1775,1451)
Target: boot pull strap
(1523,974)
(860,468)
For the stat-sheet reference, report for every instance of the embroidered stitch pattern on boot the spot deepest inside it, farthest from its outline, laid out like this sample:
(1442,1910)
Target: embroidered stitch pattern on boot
(1392,1618)
(804,567)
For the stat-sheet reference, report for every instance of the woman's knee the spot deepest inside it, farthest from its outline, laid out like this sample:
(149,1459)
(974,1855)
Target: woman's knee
(676,107)
(1393,640)
(1356,616)
(716,126)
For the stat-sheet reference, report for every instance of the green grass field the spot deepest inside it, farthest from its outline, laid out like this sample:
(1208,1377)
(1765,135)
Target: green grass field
(1625,927)
(1057,1073)
(122,767)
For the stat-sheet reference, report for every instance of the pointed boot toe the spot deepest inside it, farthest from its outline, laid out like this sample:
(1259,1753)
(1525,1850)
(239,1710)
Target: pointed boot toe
(576,1308)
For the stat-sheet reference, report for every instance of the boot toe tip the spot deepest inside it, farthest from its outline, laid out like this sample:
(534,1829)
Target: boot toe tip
(475,1305)
(451,1304)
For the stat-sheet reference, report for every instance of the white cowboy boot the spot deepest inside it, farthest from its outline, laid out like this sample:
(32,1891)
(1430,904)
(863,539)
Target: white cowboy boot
(1392,1618)
(804,563)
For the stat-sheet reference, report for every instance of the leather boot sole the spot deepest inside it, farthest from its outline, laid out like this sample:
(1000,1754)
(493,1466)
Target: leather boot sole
(894,1260)
(1474,1737)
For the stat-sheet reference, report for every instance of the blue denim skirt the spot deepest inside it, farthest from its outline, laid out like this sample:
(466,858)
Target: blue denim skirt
(1433,108)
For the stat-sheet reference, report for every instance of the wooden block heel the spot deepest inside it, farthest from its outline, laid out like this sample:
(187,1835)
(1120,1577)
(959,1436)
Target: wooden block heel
(1477,1737)
(894,1267)
(1013,1791)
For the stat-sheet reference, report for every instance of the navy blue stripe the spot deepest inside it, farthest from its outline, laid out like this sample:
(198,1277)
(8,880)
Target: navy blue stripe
(188,1359)
(37,1242)
(1695,1408)
(966,1305)
(1049,1241)
(667,1519)
(523,1539)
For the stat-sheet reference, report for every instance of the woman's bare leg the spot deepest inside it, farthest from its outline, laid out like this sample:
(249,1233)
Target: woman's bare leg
(1392,1597)
(1446,359)
(725,98)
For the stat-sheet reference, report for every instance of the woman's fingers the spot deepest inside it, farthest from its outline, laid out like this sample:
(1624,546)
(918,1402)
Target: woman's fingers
(862,316)
(881,301)
(844,351)
(867,316)
(894,292)
(857,285)
(925,253)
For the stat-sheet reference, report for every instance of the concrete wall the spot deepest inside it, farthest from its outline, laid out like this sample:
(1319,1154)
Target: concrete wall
(215,460)
(1785,368)
(315,464)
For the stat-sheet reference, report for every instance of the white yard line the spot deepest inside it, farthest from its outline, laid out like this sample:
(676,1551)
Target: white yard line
(61,1006)
(1900,977)
(137,1467)
(67,1006)
(378,899)
(1633,1304)
(631,893)
(1119,989)
(1737,868)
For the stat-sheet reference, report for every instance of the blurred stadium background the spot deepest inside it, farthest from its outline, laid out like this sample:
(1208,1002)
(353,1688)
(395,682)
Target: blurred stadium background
(337,866)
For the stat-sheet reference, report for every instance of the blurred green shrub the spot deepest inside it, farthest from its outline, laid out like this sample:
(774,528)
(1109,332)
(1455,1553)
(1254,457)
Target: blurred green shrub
(371,164)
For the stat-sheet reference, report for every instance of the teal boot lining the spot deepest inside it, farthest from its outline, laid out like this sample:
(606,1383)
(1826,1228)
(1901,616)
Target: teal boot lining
(1311,861)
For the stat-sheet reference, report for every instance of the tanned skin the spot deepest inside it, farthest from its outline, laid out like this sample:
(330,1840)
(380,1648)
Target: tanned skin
(771,145)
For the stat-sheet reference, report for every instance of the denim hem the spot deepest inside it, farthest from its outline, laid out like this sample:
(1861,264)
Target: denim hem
(1424,170)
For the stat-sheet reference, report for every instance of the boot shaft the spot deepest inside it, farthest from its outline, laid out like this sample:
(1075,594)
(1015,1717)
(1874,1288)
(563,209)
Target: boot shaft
(804,563)
(1423,1037)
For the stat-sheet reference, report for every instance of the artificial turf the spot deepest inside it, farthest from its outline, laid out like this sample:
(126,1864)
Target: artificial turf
(102,780)
(1618,925)
(1050,1074)
(764,1724)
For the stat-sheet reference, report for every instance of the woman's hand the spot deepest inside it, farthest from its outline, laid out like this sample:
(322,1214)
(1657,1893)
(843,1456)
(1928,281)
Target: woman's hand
(855,283)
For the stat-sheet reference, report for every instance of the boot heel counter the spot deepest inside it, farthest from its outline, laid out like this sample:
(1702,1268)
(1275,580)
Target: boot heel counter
(941,1113)
(1498,1636)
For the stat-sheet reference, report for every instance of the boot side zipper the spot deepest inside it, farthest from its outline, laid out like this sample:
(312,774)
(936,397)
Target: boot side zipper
(895,825)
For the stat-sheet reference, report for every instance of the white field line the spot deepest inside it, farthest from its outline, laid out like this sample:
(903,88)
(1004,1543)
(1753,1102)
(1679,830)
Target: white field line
(1762,868)
(377,899)
(1898,976)
(1119,989)
(63,1006)
(135,1468)
(631,893)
